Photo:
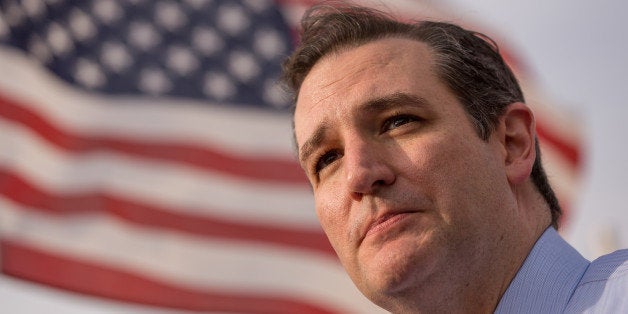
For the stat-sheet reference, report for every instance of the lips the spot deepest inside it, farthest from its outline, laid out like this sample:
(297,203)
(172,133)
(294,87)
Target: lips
(385,222)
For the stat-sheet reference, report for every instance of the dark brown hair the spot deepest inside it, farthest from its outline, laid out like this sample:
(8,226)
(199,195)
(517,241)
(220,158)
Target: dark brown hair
(468,62)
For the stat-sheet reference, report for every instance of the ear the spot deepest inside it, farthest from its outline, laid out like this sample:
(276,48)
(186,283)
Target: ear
(517,134)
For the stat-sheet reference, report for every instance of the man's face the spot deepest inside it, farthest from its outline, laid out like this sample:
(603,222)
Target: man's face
(408,194)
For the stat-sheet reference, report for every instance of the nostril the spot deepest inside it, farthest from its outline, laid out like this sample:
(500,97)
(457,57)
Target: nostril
(357,196)
(379,182)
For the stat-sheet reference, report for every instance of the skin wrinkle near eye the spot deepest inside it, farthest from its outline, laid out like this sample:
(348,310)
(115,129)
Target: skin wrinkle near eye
(371,107)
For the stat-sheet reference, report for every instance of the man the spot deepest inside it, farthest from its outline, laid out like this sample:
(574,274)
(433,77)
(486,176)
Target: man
(426,171)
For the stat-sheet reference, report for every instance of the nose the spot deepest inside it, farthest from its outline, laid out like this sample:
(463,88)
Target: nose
(367,168)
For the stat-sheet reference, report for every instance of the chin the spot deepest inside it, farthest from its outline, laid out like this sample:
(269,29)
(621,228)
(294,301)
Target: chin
(394,270)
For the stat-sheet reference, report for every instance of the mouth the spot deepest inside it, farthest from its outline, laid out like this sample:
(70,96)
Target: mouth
(386,223)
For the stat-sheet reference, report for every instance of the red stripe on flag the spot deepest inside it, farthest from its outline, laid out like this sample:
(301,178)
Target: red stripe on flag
(570,152)
(20,191)
(257,168)
(85,277)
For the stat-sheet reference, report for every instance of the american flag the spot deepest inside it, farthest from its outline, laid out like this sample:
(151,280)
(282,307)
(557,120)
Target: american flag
(146,156)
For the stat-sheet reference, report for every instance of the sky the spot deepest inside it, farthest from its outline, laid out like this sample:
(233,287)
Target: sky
(578,52)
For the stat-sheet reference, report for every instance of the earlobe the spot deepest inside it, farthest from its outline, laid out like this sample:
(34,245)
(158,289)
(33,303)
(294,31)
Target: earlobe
(518,137)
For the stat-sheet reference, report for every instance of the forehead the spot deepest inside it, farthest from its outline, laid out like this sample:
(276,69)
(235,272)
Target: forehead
(342,80)
(401,59)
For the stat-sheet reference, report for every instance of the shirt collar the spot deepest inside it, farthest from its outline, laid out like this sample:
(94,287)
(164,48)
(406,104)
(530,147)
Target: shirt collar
(547,278)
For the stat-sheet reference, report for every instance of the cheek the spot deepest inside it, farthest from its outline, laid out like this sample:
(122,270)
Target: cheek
(468,180)
(329,211)
(431,162)
(334,216)
(448,170)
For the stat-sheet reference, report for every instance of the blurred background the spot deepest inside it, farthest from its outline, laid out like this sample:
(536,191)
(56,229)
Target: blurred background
(146,160)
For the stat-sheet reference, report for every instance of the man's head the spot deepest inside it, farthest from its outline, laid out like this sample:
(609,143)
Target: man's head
(419,150)
(468,62)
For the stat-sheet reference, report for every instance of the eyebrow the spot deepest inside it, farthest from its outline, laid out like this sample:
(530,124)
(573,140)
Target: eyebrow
(314,141)
(372,106)
(391,101)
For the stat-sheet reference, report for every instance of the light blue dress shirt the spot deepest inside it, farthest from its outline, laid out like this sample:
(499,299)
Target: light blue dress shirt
(555,278)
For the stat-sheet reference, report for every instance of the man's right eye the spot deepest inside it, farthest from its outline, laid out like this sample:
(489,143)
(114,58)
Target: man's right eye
(325,160)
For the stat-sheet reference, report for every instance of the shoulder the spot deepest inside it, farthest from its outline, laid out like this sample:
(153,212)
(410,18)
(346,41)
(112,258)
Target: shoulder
(608,267)
(603,287)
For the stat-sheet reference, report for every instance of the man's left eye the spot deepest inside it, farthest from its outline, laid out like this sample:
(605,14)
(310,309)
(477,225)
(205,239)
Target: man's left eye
(397,121)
